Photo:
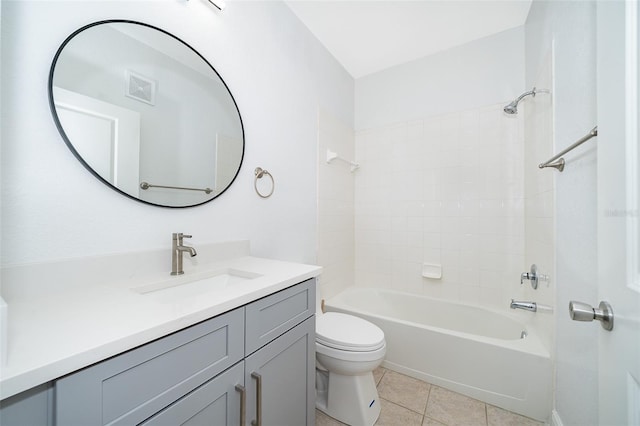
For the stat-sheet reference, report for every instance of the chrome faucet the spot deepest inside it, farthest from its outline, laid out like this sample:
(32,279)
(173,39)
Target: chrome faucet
(176,253)
(527,306)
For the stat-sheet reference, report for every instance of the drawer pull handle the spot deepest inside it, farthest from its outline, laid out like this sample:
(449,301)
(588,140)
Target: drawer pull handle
(243,403)
(258,420)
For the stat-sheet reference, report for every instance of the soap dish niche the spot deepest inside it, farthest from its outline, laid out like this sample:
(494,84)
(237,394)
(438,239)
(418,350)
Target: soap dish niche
(432,270)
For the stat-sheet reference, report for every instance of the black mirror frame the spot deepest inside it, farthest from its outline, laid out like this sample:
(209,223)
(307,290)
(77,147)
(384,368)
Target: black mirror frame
(79,157)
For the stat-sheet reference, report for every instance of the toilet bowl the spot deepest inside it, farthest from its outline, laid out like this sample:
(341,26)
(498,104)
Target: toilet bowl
(348,349)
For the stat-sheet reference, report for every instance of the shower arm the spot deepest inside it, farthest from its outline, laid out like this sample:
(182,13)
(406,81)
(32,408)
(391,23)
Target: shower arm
(512,107)
(530,92)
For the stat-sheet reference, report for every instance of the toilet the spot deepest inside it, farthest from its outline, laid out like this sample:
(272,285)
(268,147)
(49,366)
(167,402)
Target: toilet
(348,349)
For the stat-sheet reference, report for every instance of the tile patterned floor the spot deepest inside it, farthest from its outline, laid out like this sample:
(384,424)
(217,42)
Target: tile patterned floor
(406,401)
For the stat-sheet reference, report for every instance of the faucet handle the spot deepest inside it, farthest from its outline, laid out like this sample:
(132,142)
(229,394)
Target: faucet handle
(179,236)
(532,276)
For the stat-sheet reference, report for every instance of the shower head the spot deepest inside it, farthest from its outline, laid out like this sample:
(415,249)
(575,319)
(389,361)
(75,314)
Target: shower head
(512,108)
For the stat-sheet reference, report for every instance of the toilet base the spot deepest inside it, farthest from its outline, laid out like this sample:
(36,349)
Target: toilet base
(353,400)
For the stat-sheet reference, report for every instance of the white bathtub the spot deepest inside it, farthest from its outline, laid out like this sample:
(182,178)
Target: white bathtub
(464,348)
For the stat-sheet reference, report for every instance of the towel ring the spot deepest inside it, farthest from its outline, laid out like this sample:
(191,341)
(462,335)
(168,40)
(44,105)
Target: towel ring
(259,172)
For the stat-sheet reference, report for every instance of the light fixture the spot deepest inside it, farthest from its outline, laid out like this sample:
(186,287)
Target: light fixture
(219,4)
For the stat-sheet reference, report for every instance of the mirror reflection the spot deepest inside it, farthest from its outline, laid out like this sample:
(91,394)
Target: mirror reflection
(146,114)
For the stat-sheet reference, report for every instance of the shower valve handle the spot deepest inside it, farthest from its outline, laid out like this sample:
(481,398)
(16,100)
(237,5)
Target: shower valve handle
(532,276)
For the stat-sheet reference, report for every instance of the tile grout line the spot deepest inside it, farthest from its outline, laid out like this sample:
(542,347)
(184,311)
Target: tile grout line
(423,415)
(426,404)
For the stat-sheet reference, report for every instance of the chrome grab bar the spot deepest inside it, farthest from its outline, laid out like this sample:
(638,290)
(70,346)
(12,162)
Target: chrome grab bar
(147,185)
(557,162)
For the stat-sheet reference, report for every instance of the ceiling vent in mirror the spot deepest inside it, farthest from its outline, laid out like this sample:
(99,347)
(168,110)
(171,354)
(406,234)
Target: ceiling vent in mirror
(140,88)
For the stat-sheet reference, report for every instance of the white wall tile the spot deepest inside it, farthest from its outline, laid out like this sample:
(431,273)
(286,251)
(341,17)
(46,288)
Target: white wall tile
(336,207)
(448,206)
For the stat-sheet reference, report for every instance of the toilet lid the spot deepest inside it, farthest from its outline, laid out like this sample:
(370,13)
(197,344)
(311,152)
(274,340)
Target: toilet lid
(347,332)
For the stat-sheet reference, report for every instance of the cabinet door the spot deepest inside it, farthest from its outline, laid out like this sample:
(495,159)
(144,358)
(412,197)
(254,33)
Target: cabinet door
(33,407)
(280,378)
(131,387)
(217,402)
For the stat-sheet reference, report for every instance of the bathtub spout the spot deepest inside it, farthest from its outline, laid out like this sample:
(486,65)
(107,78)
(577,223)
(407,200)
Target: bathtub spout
(527,306)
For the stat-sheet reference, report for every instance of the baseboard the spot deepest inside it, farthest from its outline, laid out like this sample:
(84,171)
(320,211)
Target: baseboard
(555,419)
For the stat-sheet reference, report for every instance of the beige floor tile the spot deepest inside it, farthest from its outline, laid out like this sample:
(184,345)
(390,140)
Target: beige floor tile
(323,420)
(378,373)
(395,415)
(430,422)
(404,390)
(499,417)
(454,409)
(403,400)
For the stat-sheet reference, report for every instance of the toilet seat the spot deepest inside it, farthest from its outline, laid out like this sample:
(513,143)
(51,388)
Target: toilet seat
(348,333)
(351,356)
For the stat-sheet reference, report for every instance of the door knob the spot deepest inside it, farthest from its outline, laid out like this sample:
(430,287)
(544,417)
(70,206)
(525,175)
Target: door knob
(579,311)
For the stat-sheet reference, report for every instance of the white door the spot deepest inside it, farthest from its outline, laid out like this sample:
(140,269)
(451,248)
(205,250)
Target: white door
(618,196)
(106,136)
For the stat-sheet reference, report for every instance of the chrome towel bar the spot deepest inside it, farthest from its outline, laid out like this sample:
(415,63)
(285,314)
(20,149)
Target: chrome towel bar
(146,185)
(557,162)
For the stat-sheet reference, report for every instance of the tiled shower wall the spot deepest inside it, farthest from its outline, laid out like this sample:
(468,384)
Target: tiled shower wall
(445,190)
(335,206)
(540,201)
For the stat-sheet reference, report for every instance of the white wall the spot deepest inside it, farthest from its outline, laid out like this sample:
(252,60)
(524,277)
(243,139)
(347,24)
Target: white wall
(476,74)
(279,74)
(571,26)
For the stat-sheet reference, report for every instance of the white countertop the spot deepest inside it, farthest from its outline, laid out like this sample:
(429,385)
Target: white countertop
(69,325)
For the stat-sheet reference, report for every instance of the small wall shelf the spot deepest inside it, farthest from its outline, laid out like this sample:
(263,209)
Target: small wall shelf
(334,156)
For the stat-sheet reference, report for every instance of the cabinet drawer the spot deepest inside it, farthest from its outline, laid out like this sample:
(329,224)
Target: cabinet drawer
(131,387)
(274,315)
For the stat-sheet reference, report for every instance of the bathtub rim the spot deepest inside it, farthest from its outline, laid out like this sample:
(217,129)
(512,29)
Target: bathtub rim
(531,344)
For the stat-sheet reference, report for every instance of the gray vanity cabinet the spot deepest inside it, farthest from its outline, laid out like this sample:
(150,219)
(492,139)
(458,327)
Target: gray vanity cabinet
(217,402)
(257,360)
(280,363)
(33,407)
(131,387)
(280,379)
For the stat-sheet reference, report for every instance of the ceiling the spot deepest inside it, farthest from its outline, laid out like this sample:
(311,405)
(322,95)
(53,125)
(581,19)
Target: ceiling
(369,36)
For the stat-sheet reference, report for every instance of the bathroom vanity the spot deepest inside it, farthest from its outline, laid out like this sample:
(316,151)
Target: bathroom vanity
(223,364)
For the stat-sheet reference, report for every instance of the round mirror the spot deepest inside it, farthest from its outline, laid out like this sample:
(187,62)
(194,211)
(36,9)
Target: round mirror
(146,114)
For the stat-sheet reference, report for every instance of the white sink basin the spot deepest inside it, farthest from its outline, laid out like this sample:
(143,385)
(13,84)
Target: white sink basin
(187,286)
